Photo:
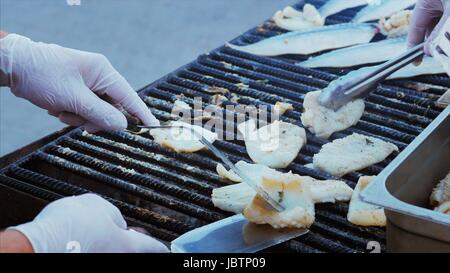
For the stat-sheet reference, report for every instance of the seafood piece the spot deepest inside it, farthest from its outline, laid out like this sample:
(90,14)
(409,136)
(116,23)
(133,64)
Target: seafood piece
(335,6)
(311,41)
(294,20)
(441,193)
(275,145)
(358,55)
(397,25)
(182,139)
(429,66)
(281,107)
(361,213)
(236,197)
(380,9)
(179,106)
(295,196)
(323,121)
(351,153)
(444,208)
(227,174)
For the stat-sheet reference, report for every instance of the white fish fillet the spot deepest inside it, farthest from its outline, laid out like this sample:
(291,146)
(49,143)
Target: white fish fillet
(444,208)
(181,139)
(311,41)
(281,107)
(295,196)
(323,121)
(361,213)
(293,20)
(227,174)
(378,9)
(236,197)
(358,55)
(275,145)
(397,25)
(335,6)
(441,193)
(429,66)
(351,153)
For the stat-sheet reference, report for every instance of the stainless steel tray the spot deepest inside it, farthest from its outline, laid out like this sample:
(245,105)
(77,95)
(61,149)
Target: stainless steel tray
(403,189)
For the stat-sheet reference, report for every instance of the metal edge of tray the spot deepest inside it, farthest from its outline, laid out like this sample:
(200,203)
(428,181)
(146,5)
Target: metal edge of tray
(376,193)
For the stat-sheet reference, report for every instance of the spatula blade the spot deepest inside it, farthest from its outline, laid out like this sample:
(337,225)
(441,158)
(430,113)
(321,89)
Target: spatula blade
(232,235)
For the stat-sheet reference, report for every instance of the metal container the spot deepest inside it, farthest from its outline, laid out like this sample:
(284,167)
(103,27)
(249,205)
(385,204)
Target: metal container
(403,189)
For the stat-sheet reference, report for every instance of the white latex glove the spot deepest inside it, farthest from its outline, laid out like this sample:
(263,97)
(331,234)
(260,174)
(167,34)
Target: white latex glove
(65,82)
(85,223)
(440,46)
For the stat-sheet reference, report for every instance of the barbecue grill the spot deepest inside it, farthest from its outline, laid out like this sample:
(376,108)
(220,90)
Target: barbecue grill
(167,193)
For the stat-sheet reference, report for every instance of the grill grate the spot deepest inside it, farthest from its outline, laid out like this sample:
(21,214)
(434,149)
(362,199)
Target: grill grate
(169,193)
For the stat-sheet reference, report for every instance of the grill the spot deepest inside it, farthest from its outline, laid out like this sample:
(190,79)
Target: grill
(169,194)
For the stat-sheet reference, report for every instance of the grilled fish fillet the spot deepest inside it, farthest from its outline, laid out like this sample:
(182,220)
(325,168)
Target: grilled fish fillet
(227,174)
(444,208)
(358,55)
(397,25)
(441,193)
(293,193)
(334,6)
(361,213)
(311,41)
(380,9)
(275,145)
(182,139)
(236,197)
(292,19)
(323,121)
(351,153)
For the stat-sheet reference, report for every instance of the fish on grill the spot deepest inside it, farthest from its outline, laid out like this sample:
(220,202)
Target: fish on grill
(359,55)
(275,145)
(294,20)
(282,107)
(441,193)
(428,66)
(351,153)
(235,198)
(381,9)
(323,121)
(444,208)
(227,174)
(311,41)
(335,6)
(397,25)
(293,193)
(182,139)
(361,213)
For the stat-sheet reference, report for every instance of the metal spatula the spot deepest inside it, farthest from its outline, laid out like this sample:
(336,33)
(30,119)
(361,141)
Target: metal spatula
(232,235)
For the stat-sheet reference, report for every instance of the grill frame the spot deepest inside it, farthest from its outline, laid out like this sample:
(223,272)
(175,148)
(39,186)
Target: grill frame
(331,232)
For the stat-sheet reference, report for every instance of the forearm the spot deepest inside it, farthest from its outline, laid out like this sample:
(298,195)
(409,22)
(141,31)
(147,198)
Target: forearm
(12,241)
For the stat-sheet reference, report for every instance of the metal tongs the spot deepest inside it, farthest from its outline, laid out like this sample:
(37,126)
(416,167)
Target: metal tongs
(359,83)
(272,202)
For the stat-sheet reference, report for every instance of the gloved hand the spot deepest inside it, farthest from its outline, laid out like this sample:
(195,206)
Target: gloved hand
(66,82)
(429,17)
(87,223)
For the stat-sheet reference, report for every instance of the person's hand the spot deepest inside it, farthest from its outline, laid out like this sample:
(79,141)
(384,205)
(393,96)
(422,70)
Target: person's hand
(68,83)
(429,17)
(85,223)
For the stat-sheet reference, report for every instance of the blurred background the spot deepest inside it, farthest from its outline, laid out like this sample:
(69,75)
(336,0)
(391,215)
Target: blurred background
(143,39)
